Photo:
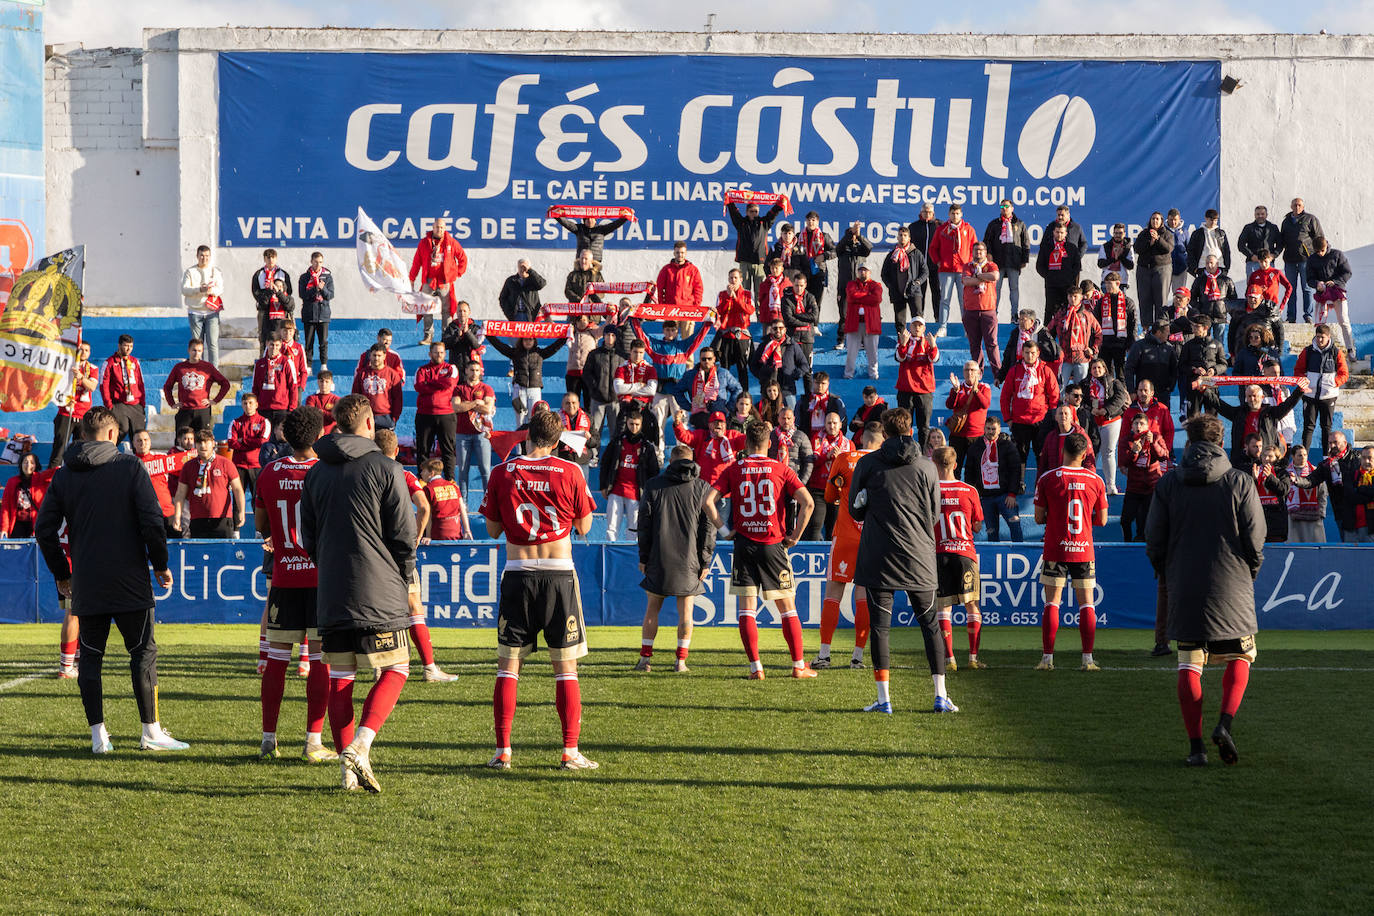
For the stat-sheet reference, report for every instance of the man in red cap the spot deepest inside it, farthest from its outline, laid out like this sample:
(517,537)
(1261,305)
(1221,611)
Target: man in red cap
(715,447)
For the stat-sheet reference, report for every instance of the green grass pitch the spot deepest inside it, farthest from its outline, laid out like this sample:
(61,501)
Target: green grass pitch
(1049,791)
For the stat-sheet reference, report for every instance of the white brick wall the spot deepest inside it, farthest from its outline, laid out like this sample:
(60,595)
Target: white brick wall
(94,100)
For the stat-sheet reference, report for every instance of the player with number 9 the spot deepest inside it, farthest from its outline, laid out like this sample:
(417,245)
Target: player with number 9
(1069,501)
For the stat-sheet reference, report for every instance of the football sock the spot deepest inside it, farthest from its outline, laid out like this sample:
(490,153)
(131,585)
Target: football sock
(823,651)
(67,654)
(364,737)
(1087,627)
(857,655)
(1233,684)
(341,708)
(682,647)
(947,631)
(830,619)
(419,633)
(880,681)
(792,633)
(269,736)
(381,699)
(503,705)
(749,635)
(314,739)
(316,695)
(568,700)
(273,687)
(1049,628)
(860,625)
(975,631)
(939,680)
(1190,702)
(646,648)
(262,651)
(304,661)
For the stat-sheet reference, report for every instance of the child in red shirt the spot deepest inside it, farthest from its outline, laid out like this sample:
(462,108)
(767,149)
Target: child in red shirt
(448,515)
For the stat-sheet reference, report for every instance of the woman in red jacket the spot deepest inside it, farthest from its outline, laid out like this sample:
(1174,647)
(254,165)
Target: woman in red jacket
(733,345)
(969,399)
(863,320)
(23,495)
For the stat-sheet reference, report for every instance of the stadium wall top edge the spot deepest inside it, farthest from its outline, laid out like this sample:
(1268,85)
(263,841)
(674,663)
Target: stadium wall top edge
(1135,46)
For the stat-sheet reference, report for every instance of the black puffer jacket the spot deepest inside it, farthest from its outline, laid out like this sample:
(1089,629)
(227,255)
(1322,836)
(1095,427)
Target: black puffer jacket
(676,540)
(1205,538)
(751,244)
(527,363)
(519,297)
(1010,473)
(598,374)
(114,527)
(895,493)
(358,526)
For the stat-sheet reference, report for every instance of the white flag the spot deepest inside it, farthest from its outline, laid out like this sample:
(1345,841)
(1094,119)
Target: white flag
(383,270)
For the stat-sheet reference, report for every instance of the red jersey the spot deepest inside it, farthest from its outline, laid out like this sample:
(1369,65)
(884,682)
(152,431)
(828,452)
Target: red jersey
(636,382)
(960,509)
(413,484)
(758,488)
(711,454)
(276,383)
(79,402)
(626,482)
(471,422)
(1071,497)
(772,291)
(393,361)
(325,403)
(536,499)
(278,493)
(247,435)
(446,508)
(916,366)
(434,385)
(192,381)
(384,388)
(163,469)
(827,449)
(208,484)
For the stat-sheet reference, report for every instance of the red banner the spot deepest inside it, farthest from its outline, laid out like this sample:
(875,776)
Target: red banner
(552,329)
(762,198)
(585,211)
(569,309)
(1288,380)
(652,312)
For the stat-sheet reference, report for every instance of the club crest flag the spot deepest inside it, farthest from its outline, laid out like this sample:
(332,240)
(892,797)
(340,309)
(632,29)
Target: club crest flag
(383,270)
(39,332)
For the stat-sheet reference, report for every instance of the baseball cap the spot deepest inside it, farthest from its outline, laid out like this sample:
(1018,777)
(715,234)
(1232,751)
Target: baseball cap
(718,415)
(1183,291)
(862,265)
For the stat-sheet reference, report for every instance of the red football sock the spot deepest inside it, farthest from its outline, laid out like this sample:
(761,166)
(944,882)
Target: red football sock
(419,634)
(316,695)
(1190,700)
(341,710)
(1233,685)
(975,631)
(830,619)
(568,700)
(792,632)
(381,699)
(1087,626)
(503,705)
(749,635)
(860,622)
(947,631)
(682,645)
(273,687)
(646,648)
(68,651)
(1049,628)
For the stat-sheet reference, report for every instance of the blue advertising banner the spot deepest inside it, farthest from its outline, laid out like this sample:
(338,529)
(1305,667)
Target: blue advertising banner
(23,194)
(1299,588)
(493,140)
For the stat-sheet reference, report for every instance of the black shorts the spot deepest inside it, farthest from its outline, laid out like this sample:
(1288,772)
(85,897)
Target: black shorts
(535,601)
(291,615)
(760,570)
(211,528)
(1197,654)
(1082,575)
(379,649)
(958,579)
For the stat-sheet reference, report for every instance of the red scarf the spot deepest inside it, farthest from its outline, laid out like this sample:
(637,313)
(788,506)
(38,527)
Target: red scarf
(1266,497)
(314,280)
(782,441)
(1212,291)
(719,450)
(1005,235)
(576,424)
(900,256)
(827,448)
(1077,324)
(817,411)
(705,388)
(1057,256)
(775,298)
(1112,310)
(814,239)
(772,353)
(988,466)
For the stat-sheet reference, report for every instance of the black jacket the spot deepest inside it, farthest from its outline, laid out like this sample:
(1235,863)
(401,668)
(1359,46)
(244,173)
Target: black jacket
(1332,267)
(315,301)
(114,528)
(598,374)
(1049,350)
(461,344)
(1218,310)
(853,248)
(576,284)
(1200,353)
(1267,427)
(1255,238)
(794,368)
(1067,274)
(1009,471)
(1339,475)
(796,261)
(519,298)
(1298,233)
(1073,235)
(1277,484)
(1197,241)
(283,301)
(358,525)
(527,362)
(676,539)
(592,237)
(1013,255)
(895,493)
(801,325)
(904,286)
(648,459)
(751,243)
(1156,361)
(1205,538)
(1157,254)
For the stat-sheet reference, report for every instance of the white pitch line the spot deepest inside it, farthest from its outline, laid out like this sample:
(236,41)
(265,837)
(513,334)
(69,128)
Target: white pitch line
(46,672)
